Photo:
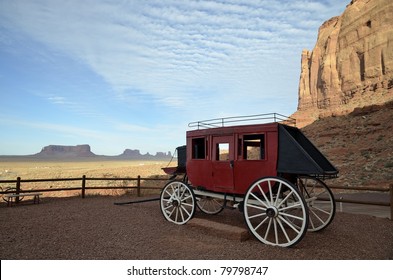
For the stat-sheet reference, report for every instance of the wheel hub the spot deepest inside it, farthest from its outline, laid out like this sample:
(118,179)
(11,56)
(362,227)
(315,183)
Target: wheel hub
(176,203)
(271,212)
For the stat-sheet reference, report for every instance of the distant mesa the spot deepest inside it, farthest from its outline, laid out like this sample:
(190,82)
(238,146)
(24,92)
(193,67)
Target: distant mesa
(84,151)
(66,151)
(136,154)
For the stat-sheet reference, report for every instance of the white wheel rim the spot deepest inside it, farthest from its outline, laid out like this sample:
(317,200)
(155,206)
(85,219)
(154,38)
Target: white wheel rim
(177,203)
(279,220)
(320,202)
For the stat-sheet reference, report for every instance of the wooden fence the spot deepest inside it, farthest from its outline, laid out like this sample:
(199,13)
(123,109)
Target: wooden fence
(367,202)
(83,186)
(18,182)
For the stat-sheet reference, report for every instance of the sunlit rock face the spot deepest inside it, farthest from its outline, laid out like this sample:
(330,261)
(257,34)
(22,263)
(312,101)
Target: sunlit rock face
(351,64)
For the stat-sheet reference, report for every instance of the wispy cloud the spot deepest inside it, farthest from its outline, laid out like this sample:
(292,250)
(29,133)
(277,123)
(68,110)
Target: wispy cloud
(164,49)
(122,73)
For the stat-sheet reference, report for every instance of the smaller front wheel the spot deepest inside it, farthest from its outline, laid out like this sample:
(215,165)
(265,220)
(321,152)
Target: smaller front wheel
(210,205)
(177,202)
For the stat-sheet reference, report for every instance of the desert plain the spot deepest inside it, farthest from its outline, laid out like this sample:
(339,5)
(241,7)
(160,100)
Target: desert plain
(27,169)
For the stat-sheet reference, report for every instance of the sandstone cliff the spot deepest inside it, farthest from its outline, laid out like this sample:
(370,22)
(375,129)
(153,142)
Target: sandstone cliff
(351,64)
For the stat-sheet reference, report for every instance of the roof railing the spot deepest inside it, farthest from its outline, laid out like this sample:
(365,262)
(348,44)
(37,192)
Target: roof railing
(251,119)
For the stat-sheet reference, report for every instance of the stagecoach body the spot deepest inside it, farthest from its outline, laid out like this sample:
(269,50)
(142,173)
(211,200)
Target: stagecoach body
(229,159)
(269,171)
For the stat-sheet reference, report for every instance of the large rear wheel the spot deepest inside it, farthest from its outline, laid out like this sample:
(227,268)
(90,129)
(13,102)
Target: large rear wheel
(275,212)
(320,202)
(177,202)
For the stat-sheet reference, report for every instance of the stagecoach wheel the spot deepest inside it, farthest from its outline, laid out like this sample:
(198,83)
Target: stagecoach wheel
(320,202)
(210,205)
(177,202)
(269,206)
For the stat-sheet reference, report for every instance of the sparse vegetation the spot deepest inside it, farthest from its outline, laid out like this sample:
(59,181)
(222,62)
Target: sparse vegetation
(362,149)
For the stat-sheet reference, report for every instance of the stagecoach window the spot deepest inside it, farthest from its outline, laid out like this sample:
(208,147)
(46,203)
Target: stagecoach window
(222,151)
(198,148)
(254,147)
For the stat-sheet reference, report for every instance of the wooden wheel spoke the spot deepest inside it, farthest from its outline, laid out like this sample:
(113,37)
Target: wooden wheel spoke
(291,216)
(283,230)
(311,224)
(285,199)
(289,224)
(185,198)
(315,215)
(187,204)
(171,212)
(181,214)
(185,210)
(257,207)
(260,200)
(297,205)
(264,196)
(257,215)
(275,230)
(270,192)
(319,209)
(278,192)
(177,214)
(268,228)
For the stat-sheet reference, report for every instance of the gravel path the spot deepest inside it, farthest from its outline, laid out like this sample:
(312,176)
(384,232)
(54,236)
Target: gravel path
(95,228)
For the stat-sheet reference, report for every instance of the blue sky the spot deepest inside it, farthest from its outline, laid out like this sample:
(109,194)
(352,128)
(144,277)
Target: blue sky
(132,74)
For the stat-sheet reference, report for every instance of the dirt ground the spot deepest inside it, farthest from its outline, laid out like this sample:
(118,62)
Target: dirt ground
(96,228)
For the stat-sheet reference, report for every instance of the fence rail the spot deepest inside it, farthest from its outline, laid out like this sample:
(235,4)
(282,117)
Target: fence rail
(18,182)
(368,202)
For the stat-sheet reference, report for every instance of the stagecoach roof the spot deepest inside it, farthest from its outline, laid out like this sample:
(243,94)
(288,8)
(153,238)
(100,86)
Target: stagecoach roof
(243,120)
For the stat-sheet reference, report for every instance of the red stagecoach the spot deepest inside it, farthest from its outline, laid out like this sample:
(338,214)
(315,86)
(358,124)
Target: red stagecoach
(269,171)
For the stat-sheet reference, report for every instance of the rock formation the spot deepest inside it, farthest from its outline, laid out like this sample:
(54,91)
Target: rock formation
(66,151)
(351,64)
(136,154)
(84,151)
(128,153)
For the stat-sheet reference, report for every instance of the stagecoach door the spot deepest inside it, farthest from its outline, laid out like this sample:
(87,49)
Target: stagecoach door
(223,155)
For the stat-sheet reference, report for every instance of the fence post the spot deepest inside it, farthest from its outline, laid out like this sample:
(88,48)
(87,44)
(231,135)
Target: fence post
(83,186)
(17,189)
(391,201)
(138,186)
